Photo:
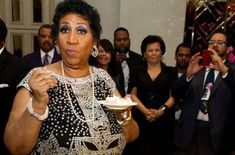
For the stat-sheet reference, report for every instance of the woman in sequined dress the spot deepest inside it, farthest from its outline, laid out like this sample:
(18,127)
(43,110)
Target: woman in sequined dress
(56,110)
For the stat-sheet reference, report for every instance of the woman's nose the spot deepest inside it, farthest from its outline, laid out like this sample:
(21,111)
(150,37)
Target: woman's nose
(73,38)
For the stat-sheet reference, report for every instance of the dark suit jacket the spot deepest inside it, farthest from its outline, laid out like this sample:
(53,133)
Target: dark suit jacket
(34,59)
(133,61)
(12,70)
(219,107)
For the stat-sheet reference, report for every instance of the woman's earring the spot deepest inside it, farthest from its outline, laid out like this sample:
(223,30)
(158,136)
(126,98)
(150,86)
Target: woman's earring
(94,52)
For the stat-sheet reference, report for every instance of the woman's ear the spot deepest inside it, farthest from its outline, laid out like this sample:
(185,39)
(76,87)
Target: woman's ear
(94,51)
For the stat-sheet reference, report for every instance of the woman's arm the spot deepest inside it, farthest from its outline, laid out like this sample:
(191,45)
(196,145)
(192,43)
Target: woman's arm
(168,104)
(131,128)
(140,106)
(23,127)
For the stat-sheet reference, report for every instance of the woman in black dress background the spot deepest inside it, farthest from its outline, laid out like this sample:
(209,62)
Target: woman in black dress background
(152,93)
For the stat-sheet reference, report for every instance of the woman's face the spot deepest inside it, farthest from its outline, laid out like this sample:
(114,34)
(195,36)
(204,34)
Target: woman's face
(75,40)
(153,53)
(104,57)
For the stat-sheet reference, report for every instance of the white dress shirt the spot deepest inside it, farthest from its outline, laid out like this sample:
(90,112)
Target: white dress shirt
(126,72)
(50,55)
(201,116)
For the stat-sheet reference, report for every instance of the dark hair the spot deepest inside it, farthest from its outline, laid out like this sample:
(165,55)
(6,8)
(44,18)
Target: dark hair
(108,47)
(120,29)
(3,30)
(47,26)
(79,7)
(153,39)
(183,44)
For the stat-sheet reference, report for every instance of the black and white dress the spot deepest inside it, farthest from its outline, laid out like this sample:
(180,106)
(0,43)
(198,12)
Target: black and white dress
(66,131)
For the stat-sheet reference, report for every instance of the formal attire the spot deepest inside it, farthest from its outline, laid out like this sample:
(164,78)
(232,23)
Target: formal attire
(77,123)
(155,137)
(117,77)
(12,71)
(36,59)
(128,69)
(177,103)
(201,132)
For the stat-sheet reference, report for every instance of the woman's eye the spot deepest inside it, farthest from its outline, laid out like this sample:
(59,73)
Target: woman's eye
(64,29)
(82,31)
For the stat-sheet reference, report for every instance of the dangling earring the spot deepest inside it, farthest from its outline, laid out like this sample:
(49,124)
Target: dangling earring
(94,52)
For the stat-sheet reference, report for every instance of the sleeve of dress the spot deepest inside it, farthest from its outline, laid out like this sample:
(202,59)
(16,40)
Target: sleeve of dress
(25,81)
(108,80)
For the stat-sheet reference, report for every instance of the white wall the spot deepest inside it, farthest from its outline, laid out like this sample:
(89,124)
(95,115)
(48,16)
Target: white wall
(110,15)
(160,17)
(143,17)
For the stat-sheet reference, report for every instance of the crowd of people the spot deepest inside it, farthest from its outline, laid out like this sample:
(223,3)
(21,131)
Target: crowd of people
(52,104)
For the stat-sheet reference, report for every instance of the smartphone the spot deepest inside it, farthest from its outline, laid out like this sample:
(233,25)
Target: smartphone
(122,50)
(206,58)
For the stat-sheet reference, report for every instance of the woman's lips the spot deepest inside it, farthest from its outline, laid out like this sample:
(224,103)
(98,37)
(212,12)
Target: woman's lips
(103,58)
(71,52)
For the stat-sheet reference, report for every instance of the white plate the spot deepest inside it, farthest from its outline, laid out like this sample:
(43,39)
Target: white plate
(115,106)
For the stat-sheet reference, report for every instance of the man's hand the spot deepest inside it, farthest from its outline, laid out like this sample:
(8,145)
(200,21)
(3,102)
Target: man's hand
(120,57)
(194,65)
(217,62)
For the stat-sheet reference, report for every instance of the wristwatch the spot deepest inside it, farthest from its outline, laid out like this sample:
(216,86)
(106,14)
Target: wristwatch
(164,108)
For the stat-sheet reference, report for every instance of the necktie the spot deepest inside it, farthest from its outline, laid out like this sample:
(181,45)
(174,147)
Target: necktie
(45,60)
(126,72)
(207,91)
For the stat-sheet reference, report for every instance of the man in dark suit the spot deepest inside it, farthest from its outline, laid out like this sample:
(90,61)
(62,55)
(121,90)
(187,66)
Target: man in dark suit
(128,61)
(206,115)
(47,53)
(12,71)
(183,55)
(127,58)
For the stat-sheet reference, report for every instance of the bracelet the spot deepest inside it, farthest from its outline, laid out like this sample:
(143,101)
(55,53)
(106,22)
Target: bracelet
(164,108)
(35,114)
(125,120)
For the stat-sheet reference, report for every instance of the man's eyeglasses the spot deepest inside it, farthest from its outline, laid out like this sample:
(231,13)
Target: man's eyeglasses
(218,42)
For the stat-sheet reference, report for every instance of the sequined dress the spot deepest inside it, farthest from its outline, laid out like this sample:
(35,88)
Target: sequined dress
(65,133)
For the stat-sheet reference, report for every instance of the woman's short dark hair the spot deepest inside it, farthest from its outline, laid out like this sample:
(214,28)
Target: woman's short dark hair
(108,47)
(153,39)
(79,7)
(3,30)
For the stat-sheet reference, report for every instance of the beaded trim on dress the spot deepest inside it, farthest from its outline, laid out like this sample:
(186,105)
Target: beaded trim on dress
(63,133)
(70,100)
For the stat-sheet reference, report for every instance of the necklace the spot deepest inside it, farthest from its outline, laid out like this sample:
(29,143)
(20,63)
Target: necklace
(70,100)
